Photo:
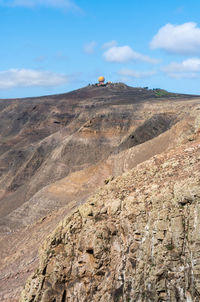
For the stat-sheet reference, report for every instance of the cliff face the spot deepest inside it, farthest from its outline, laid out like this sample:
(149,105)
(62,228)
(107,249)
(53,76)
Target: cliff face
(55,151)
(44,140)
(136,239)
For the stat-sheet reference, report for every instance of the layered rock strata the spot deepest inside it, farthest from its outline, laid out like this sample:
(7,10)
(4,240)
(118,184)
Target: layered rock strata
(136,239)
(56,150)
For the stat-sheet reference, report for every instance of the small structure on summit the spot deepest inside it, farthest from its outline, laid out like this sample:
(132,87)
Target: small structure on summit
(101,81)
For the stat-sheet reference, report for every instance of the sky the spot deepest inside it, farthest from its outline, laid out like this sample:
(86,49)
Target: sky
(55,46)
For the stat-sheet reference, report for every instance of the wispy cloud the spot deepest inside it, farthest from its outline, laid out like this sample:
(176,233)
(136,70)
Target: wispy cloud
(65,4)
(109,44)
(13,78)
(184,75)
(90,47)
(189,68)
(122,54)
(180,39)
(136,74)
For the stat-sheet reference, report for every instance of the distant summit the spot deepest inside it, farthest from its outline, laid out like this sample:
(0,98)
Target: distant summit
(56,150)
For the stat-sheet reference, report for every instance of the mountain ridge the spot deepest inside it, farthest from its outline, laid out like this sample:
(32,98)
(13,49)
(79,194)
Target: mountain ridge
(56,152)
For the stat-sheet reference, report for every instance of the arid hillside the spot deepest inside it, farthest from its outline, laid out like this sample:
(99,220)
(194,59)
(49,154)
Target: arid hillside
(55,151)
(136,239)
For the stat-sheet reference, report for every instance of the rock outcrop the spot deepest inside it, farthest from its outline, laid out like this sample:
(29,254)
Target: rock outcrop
(44,140)
(136,239)
(56,151)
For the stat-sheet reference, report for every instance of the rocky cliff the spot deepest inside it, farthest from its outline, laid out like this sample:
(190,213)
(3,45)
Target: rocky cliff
(55,151)
(136,239)
(44,140)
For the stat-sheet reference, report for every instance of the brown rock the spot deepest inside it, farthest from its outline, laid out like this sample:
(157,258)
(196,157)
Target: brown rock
(153,257)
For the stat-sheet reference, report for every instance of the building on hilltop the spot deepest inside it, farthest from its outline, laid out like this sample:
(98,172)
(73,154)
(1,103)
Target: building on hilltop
(101,80)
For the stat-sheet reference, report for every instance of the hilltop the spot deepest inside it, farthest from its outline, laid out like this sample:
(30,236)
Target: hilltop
(65,133)
(55,151)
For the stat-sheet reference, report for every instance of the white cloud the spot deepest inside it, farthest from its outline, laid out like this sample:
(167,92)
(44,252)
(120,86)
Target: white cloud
(136,74)
(109,44)
(123,54)
(189,68)
(66,4)
(184,75)
(181,39)
(90,47)
(28,78)
(192,64)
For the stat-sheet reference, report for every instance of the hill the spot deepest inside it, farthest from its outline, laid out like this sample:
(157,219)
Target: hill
(56,150)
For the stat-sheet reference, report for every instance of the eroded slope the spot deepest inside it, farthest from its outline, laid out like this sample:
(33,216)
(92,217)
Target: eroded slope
(137,239)
(44,140)
(57,150)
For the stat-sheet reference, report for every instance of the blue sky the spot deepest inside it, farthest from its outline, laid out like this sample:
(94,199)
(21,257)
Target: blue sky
(54,46)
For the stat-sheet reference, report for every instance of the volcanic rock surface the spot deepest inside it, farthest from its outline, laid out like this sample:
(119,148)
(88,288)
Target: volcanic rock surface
(54,152)
(136,239)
